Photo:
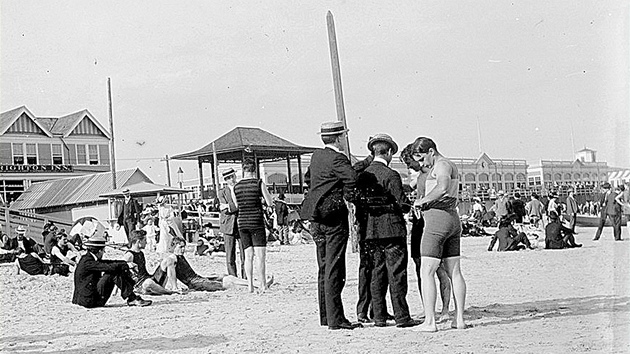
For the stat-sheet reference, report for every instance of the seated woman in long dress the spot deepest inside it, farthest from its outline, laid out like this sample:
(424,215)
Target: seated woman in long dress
(30,262)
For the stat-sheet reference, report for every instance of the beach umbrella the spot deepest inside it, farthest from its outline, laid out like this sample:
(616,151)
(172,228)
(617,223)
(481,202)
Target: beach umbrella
(87,226)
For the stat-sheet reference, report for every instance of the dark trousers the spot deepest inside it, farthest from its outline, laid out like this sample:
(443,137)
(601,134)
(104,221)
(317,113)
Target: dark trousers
(331,242)
(129,226)
(106,284)
(365,278)
(230,254)
(572,218)
(615,220)
(389,259)
(517,240)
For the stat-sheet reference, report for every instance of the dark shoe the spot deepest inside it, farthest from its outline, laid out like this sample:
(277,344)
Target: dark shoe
(577,245)
(346,325)
(362,318)
(380,324)
(409,323)
(596,239)
(139,302)
(390,317)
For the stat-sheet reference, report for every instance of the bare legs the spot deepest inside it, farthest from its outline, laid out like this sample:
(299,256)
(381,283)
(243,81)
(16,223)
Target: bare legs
(459,290)
(445,291)
(261,258)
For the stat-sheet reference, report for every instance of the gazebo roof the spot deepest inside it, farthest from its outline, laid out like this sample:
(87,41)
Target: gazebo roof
(240,141)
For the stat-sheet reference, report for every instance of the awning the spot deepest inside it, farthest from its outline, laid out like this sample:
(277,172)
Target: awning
(144,189)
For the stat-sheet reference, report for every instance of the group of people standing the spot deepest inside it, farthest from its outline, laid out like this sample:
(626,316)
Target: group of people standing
(377,193)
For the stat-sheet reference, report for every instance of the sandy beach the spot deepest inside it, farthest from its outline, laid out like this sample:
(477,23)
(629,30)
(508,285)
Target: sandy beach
(539,301)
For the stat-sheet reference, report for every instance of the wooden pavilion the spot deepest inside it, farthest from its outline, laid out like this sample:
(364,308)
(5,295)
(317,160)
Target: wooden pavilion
(246,142)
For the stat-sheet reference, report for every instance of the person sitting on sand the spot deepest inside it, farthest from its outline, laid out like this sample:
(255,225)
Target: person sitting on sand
(145,282)
(30,262)
(59,260)
(557,236)
(175,267)
(509,239)
(202,249)
(94,278)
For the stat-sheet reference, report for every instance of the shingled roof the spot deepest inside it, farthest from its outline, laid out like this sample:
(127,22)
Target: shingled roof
(233,145)
(50,125)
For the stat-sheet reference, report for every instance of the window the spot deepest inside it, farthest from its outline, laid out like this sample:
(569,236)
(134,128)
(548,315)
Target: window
(31,154)
(57,156)
(18,154)
(93,154)
(81,158)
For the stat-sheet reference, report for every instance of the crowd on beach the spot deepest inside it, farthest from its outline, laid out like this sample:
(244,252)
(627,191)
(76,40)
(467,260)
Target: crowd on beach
(382,210)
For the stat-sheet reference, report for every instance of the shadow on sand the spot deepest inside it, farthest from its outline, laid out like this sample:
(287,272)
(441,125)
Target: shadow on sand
(499,314)
(132,344)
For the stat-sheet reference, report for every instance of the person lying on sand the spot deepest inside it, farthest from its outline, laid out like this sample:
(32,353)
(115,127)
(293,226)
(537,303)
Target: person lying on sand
(175,267)
(509,238)
(146,283)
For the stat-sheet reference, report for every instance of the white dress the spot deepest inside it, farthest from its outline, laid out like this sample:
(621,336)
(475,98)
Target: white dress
(166,224)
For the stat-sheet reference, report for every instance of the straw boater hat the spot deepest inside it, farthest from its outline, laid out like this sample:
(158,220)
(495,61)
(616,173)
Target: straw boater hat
(20,230)
(383,138)
(606,185)
(160,199)
(126,191)
(332,128)
(96,241)
(229,172)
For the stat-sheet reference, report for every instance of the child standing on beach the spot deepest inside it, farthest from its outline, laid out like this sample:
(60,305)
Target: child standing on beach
(151,231)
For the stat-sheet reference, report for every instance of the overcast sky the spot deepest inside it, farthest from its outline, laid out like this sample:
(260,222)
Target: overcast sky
(541,79)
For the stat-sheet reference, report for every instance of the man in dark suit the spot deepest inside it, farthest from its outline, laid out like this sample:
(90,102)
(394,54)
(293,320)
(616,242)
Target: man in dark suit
(611,209)
(228,226)
(94,278)
(383,200)
(330,178)
(130,213)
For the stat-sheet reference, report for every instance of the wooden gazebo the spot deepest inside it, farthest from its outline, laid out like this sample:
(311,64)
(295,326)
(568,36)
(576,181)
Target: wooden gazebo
(243,142)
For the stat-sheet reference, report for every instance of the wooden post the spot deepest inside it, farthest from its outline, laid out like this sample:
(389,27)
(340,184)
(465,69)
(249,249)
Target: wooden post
(341,115)
(200,168)
(289,183)
(112,150)
(215,170)
(300,177)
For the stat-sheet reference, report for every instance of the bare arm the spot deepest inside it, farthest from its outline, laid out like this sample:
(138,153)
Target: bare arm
(619,199)
(265,193)
(57,252)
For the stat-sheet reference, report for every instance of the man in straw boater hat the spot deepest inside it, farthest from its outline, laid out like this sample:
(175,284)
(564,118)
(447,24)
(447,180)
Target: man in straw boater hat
(384,202)
(94,278)
(330,179)
(228,225)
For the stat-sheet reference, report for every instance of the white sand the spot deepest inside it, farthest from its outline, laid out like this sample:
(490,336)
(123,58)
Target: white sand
(537,301)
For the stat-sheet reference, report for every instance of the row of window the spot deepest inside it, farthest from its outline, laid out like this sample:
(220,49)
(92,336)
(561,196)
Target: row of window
(28,154)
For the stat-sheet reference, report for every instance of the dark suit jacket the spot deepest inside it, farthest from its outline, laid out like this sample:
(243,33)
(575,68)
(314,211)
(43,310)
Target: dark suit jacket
(86,276)
(610,206)
(385,204)
(329,175)
(227,219)
(129,211)
(505,236)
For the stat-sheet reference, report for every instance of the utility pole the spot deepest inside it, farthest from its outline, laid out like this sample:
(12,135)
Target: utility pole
(112,150)
(168,170)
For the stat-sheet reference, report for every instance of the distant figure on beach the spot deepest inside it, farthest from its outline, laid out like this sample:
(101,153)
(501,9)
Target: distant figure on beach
(282,214)
(30,262)
(228,224)
(175,267)
(250,193)
(557,236)
(572,210)
(534,209)
(168,228)
(509,238)
(517,205)
(501,206)
(623,199)
(95,278)
(145,283)
(610,209)
(151,231)
(330,179)
(129,214)
(417,229)
(441,240)
(384,202)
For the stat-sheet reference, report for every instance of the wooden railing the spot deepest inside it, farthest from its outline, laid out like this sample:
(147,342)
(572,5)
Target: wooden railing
(33,223)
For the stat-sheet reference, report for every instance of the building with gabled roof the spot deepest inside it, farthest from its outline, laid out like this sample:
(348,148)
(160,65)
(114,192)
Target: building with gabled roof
(36,149)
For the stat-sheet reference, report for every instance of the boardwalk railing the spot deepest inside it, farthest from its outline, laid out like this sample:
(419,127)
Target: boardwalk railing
(33,223)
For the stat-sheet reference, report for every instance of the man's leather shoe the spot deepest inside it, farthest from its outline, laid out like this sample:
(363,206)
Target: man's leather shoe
(346,325)
(409,323)
(139,302)
(380,324)
(363,318)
